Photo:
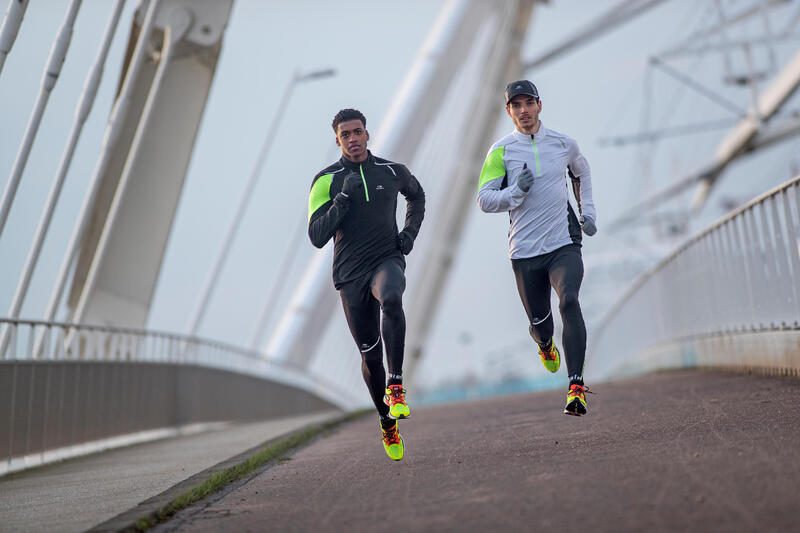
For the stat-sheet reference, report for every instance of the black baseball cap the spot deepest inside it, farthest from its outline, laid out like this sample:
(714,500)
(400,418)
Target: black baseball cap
(520,87)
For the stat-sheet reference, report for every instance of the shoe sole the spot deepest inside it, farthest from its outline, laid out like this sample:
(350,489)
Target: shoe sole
(574,408)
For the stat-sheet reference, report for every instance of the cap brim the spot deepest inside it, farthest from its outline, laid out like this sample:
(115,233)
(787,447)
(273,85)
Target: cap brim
(518,94)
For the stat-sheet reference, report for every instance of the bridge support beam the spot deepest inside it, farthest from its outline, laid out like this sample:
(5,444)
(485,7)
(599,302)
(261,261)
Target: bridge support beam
(130,220)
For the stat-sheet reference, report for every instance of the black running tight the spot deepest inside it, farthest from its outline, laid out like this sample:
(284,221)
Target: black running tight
(364,301)
(561,269)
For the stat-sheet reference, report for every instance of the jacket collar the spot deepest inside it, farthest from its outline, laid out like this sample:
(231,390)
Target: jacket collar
(350,165)
(538,136)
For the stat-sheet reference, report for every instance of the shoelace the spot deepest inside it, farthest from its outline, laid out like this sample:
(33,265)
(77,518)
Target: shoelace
(580,389)
(397,396)
(391,436)
(550,354)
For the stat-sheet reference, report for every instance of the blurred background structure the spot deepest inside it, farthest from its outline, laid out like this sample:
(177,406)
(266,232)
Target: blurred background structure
(155,266)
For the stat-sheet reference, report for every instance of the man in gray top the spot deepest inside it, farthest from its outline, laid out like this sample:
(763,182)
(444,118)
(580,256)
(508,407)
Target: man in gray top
(525,173)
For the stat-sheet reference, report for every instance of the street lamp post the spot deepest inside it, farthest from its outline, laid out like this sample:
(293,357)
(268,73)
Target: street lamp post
(278,281)
(211,282)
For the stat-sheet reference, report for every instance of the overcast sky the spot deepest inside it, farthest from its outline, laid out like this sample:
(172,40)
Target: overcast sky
(592,93)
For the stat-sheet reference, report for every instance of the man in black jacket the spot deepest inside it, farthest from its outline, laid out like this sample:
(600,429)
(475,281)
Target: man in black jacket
(355,201)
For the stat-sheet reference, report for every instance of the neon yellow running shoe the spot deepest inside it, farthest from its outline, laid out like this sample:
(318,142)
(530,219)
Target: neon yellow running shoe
(395,398)
(551,359)
(393,442)
(576,400)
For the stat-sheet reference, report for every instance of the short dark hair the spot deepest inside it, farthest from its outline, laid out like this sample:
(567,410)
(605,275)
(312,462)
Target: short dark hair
(348,114)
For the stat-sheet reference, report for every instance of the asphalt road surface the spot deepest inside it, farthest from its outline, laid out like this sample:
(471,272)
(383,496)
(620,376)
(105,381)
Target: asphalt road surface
(677,451)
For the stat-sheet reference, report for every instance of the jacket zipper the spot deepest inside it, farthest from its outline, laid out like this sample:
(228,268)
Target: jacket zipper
(364,181)
(536,154)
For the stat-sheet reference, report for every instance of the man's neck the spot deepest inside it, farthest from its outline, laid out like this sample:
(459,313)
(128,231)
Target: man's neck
(357,160)
(533,130)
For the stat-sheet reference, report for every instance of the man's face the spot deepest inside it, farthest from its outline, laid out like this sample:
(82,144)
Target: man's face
(352,136)
(524,112)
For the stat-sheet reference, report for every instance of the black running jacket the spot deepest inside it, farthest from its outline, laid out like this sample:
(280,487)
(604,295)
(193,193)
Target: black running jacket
(364,228)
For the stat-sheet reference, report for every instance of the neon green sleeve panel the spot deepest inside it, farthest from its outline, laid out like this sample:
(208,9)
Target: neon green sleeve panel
(493,167)
(320,193)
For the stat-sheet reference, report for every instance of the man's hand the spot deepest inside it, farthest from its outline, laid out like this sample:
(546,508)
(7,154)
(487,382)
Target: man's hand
(352,184)
(341,200)
(405,242)
(588,226)
(525,178)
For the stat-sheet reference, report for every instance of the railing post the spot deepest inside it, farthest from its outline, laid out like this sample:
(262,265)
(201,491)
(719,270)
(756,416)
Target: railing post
(12,343)
(794,246)
(45,353)
(29,343)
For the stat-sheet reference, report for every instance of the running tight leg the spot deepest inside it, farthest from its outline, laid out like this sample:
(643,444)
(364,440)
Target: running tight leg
(562,270)
(566,274)
(364,301)
(363,318)
(388,284)
(375,377)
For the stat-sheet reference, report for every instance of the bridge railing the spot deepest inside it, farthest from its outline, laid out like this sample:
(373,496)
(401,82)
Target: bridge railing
(67,389)
(729,296)
(39,340)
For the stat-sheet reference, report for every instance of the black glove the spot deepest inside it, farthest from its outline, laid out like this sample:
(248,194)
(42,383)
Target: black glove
(405,242)
(341,200)
(525,178)
(352,184)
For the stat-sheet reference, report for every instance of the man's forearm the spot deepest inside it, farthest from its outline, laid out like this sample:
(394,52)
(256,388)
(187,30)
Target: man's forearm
(500,200)
(321,228)
(415,213)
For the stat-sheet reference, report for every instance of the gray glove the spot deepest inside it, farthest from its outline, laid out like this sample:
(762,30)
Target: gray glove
(588,226)
(352,184)
(525,178)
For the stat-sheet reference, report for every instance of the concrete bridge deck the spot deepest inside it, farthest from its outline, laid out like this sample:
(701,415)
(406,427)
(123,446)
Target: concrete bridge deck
(676,451)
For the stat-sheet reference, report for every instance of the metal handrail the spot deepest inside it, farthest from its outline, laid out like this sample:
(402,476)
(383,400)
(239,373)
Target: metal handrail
(745,267)
(30,437)
(121,330)
(98,342)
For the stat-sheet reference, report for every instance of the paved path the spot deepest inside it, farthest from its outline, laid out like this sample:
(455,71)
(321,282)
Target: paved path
(680,451)
(80,493)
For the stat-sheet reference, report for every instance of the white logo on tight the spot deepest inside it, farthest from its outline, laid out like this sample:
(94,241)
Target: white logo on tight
(536,321)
